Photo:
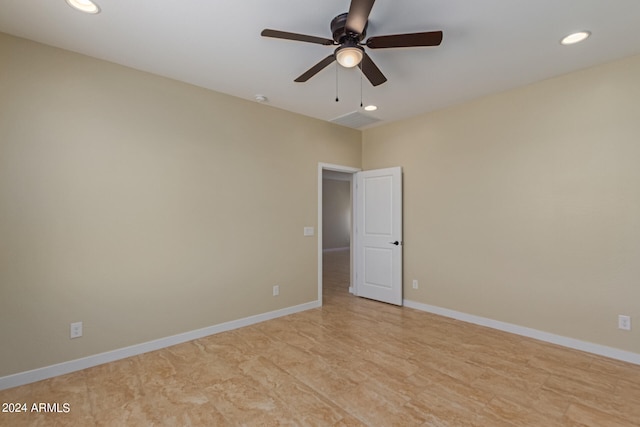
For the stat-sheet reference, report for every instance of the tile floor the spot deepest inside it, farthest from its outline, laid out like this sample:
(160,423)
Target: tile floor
(352,362)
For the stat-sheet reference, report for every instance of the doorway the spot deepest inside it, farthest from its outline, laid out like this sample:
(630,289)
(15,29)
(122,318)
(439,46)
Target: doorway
(336,214)
(375,240)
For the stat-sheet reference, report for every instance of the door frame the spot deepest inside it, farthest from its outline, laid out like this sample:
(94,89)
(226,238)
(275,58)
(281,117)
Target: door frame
(345,169)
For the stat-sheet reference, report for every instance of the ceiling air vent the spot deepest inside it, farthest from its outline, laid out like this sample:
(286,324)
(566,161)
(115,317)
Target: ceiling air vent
(354,120)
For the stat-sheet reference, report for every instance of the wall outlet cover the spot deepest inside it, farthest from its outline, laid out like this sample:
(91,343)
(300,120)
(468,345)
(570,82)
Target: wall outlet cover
(624,322)
(75,330)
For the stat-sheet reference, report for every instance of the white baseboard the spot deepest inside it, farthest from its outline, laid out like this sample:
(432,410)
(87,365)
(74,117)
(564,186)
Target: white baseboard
(346,248)
(586,346)
(34,375)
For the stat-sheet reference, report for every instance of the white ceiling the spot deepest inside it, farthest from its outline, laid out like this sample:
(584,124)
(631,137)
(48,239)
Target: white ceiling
(488,46)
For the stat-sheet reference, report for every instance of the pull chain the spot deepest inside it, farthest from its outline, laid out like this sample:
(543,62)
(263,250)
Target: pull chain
(360,87)
(337,82)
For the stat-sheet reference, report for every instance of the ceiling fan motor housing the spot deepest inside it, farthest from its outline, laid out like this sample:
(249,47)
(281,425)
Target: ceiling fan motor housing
(340,35)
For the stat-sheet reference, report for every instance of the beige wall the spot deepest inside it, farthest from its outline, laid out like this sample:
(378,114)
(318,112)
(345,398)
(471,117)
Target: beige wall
(336,214)
(145,207)
(524,207)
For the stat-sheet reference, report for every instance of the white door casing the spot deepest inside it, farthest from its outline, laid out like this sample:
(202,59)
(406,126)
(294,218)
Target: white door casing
(378,235)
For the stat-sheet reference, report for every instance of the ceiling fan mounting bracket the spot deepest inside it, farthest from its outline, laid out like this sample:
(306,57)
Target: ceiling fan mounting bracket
(340,35)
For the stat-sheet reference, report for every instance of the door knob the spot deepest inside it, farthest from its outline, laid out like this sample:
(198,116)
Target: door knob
(395,243)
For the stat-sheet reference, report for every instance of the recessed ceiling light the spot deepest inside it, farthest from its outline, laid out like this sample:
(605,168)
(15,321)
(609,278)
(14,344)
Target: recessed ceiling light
(370,108)
(86,6)
(575,38)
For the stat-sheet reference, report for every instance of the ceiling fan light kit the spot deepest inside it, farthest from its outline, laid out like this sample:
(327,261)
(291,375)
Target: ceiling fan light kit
(348,32)
(349,56)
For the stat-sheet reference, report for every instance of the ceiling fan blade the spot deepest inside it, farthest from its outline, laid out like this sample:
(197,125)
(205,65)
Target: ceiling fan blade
(358,15)
(431,38)
(297,37)
(315,69)
(371,71)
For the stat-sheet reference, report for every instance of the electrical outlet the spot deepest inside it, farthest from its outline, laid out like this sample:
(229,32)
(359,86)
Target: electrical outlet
(624,322)
(276,290)
(415,284)
(76,330)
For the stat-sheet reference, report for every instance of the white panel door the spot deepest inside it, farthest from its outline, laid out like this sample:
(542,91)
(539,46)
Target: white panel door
(379,235)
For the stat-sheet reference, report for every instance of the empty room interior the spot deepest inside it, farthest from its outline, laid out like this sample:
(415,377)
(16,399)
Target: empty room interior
(184,227)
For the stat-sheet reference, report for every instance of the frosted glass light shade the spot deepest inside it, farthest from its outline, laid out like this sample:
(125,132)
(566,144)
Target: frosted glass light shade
(349,56)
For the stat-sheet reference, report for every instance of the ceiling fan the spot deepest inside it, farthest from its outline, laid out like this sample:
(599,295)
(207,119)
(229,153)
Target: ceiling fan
(349,29)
